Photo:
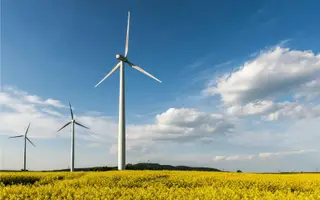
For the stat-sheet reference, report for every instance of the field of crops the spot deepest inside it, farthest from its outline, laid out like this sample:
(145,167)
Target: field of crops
(164,185)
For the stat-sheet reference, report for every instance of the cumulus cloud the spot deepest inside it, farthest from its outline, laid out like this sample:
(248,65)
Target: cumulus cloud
(256,108)
(33,99)
(261,155)
(52,112)
(270,75)
(233,157)
(15,104)
(294,110)
(174,125)
(270,110)
(19,109)
(285,153)
(309,91)
(185,124)
(186,117)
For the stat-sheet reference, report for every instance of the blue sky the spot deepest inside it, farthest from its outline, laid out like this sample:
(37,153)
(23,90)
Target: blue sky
(238,79)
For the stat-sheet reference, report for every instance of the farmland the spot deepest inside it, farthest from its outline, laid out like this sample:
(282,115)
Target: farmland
(157,185)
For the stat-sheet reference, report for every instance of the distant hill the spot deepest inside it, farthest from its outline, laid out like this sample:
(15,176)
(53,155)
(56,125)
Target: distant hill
(145,166)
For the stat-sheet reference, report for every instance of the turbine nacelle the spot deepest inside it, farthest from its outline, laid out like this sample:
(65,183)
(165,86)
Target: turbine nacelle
(121,58)
(72,121)
(24,136)
(124,59)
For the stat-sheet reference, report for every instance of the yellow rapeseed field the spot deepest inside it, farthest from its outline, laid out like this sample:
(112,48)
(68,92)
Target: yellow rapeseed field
(166,185)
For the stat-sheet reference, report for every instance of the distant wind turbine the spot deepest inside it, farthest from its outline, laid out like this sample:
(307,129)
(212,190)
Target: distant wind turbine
(122,126)
(72,122)
(25,146)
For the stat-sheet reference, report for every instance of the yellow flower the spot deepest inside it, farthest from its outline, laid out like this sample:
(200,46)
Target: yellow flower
(160,185)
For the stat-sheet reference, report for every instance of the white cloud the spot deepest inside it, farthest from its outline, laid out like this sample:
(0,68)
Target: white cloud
(37,100)
(186,124)
(15,104)
(259,86)
(217,158)
(239,157)
(272,74)
(285,153)
(33,99)
(233,157)
(186,117)
(295,111)
(13,90)
(274,111)
(52,112)
(256,108)
(18,112)
(176,125)
(261,155)
(309,91)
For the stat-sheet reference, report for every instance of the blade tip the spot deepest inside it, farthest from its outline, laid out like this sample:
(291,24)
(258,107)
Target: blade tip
(97,85)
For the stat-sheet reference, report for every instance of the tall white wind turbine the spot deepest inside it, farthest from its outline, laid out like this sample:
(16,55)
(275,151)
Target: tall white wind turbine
(121,126)
(72,122)
(25,146)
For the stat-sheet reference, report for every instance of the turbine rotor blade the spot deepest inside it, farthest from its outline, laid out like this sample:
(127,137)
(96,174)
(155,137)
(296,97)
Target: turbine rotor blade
(146,73)
(127,38)
(27,129)
(71,111)
(81,125)
(30,142)
(16,136)
(114,69)
(64,126)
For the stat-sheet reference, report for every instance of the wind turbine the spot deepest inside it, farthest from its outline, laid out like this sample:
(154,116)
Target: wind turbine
(121,127)
(25,146)
(72,122)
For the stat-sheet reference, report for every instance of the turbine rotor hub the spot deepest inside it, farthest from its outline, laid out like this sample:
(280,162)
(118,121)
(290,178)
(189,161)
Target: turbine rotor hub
(121,58)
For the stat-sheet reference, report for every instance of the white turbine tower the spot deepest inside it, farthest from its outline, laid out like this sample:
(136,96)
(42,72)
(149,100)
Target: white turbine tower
(121,127)
(72,122)
(25,147)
